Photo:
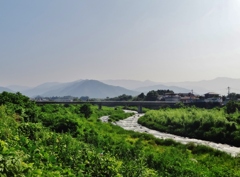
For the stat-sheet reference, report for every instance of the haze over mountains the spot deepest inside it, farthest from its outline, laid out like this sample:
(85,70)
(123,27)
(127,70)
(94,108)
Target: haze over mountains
(163,87)
(113,88)
(5,89)
(91,88)
(18,87)
(218,85)
(130,84)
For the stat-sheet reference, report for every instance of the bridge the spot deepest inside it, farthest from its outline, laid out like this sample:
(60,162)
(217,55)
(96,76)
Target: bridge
(139,104)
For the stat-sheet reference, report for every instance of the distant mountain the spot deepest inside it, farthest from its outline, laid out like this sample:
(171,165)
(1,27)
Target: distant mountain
(18,88)
(41,89)
(163,87)
(2,89)
(58,91)
(91,88)
(218,85)
(130,84)
(112,88)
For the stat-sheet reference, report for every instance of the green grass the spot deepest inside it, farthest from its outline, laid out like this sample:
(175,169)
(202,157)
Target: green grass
(207,124)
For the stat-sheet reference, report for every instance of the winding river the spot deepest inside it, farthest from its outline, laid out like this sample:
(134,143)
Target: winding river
(131,123)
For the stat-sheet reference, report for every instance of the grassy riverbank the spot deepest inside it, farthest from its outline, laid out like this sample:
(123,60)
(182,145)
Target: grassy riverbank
(57,140)
(207,124)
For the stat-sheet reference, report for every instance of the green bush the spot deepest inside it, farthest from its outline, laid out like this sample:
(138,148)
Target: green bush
(64,125)
(86,110)
(62,144)
(207,124)
(232,107)
(13,162)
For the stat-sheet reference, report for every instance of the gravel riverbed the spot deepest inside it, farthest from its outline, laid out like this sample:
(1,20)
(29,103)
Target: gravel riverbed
(131,123)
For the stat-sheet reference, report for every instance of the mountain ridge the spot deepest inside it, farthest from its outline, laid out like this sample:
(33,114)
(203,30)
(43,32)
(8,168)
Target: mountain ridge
(175,89)
(91,88)
(218,85)
(2,89)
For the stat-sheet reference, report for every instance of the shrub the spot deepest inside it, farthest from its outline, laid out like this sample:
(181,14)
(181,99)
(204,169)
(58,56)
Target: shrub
(86,110)
(64,125)
(232,106)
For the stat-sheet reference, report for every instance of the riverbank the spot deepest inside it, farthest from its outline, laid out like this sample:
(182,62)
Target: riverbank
(131,123)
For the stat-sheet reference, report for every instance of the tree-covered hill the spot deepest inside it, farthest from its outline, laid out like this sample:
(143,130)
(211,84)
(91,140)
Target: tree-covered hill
(90,88)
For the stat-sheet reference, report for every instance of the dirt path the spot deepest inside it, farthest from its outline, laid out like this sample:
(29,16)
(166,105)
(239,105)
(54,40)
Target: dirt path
(131,124)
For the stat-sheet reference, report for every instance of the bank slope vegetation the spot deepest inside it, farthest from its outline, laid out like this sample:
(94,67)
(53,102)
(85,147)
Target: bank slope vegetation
(220,125)
(62,140)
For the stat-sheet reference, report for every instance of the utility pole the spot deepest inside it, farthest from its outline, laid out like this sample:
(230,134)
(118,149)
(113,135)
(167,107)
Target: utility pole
(191,95)
(228,90)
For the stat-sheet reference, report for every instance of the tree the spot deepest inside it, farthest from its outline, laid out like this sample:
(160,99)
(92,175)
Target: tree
(163,92)
(151,96)
(84,98)
(233,96)
(124,97)
(20,105)
(86,110)
(232,106)
(141,96)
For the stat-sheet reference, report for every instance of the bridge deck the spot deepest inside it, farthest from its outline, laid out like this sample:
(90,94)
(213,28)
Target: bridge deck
(109,103)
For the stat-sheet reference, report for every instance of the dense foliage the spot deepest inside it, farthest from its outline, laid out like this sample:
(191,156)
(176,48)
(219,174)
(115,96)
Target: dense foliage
(150,96)
(232,107)
(219,125)
(123,97)
(86,110)
(60,141)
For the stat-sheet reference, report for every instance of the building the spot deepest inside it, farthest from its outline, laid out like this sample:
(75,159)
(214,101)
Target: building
(172,97)
(211,95)
(189,99)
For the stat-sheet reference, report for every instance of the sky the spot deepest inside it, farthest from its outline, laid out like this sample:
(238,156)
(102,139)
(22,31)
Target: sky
(158,40)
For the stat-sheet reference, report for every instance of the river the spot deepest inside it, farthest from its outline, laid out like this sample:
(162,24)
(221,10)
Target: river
(131,123)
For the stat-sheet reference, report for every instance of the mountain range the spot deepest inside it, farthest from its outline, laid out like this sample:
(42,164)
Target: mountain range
(113,88)
(5,89)
(90,88)
(219,85)
(130,84)
(145,86)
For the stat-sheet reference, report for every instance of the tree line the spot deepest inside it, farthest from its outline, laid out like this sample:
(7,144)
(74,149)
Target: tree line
(150,96)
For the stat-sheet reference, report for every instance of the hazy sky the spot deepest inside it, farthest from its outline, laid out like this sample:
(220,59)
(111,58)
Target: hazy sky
(159,40)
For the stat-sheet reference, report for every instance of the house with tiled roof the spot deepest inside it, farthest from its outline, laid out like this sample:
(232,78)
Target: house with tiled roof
(213,97)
